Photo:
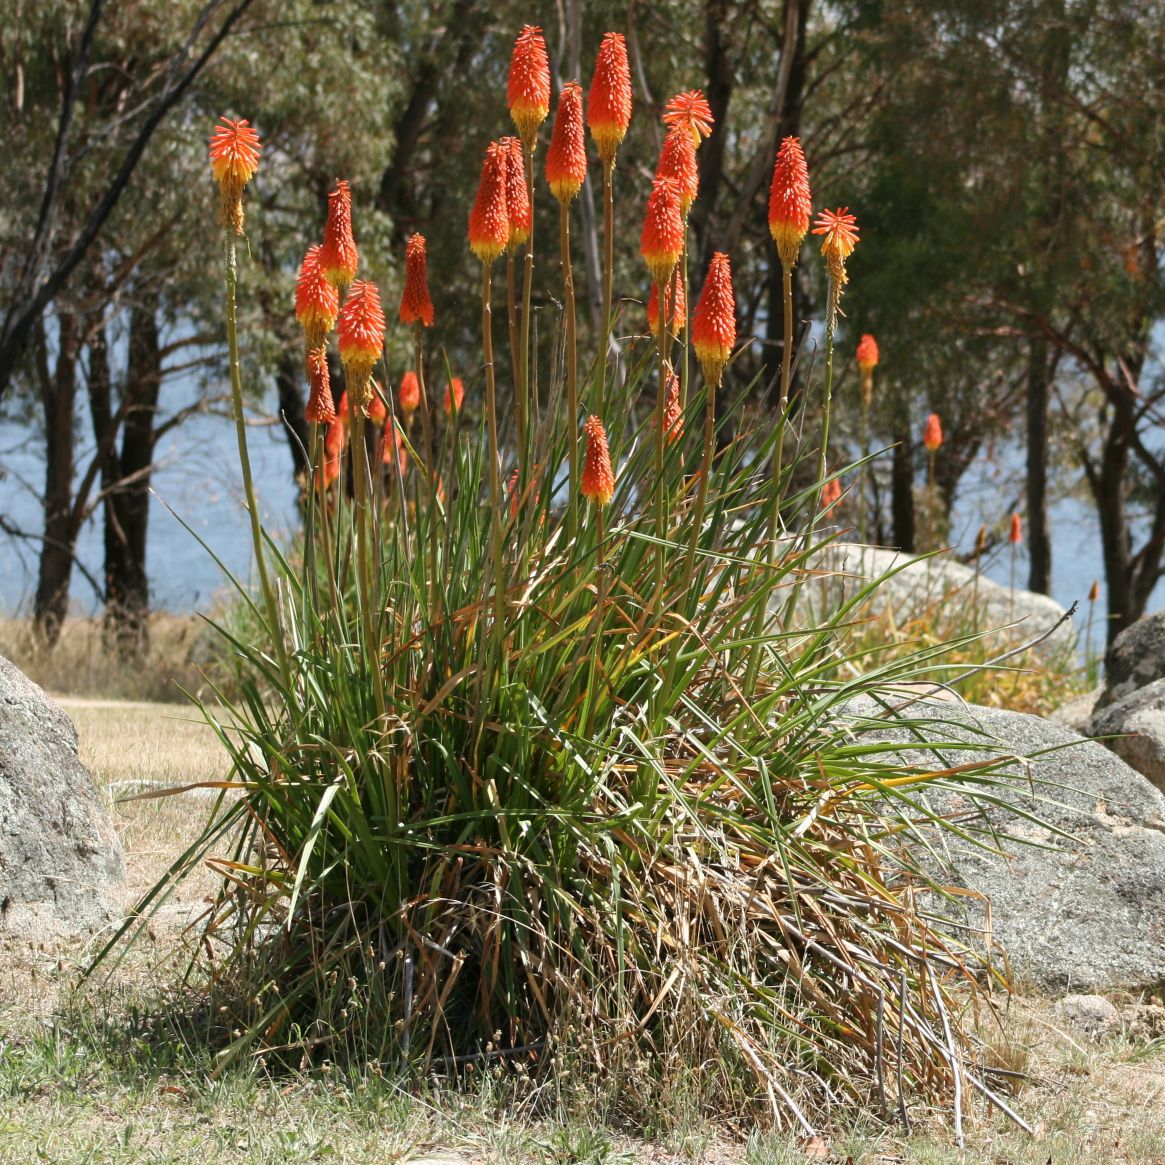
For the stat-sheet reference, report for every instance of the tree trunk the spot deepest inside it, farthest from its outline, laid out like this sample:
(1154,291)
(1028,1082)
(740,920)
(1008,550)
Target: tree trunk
(1039,535)
(127,505)
(1107,485)
(719,71)
(902,490)
(58,400)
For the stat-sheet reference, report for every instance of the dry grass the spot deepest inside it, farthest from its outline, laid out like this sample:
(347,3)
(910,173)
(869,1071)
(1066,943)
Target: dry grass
(76,1087)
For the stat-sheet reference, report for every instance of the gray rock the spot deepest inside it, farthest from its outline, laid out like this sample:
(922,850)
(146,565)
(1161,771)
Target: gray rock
(1092,1015)
(1083,908)
(1076,713)
(915,590)
(1139,719)
(1135,658)
(59,855)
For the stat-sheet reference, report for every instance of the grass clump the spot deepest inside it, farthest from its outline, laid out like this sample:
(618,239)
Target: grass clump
(536,780)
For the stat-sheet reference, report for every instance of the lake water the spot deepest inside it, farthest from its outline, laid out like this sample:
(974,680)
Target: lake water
(198,479)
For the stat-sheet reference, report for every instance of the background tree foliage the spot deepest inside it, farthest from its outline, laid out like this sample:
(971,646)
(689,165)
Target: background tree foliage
(1004,160)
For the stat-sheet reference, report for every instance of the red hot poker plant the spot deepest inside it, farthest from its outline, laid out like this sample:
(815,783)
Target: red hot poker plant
(317,303)
(692,111)
(408,396)
(528,89)
(566,159)
(714,323)
(489,220)
(662,238)
(234,161)
(609,104)
(677,314)
(677,161)
(416,305)
(790,206)
(517,193)
(598,478)
(320,408)
(361,339)
(339,255)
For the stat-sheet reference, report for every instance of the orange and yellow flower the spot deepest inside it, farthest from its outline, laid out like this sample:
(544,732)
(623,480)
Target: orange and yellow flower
(339,256)
(361,339)
(408,396)
(517,193)
(692,111)
(454,395)
(932,433)
(528,90)
(790,205)
(609,103)
(677,161)
(566,159)
(677,314)
(714,324)
(598,478)
(234,160)
(867,353)
(840,229)
(489,220)
(317,303)
(1015,534)
(673,413)
(335,438)
(662,238)
(320,408)
(377,408)
(830,495)
(416,305)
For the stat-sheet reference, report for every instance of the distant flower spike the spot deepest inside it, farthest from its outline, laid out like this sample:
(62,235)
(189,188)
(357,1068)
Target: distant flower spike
(528,90)
(454,395)
(335,438)
(517,193)
(692,111)
(408,396)
(1015,534)
(361,339)
(790,206)
(677,315)
(339,256)
(662,238)
(489,220)
(714,322)
(867,353)
(317,303)
(377,409)
(932,433)
(830,495)
(416,305)
(320,408)
(598,478)
(566,159)
(234,160)
(609,103)
(677,161)
(840,229)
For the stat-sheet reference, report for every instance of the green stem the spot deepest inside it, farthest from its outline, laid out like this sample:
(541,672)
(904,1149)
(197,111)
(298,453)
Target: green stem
(515,350)
(830,330)
(527,357)
(661,517)
(232,282)
(865,439)
(782,410)
(365,590)
(495,485)
(705,474)
(571,369)
(431,466)
(608,279)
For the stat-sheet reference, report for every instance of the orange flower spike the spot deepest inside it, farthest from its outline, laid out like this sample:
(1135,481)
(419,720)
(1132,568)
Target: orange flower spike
(662,238)
(454,395)
(677,160)
(377,409)
(517,193)
(867,353)
(840,229)
(566,159)
(416,305)
(692,111)
(830,495)
(528,91)
(361,339)
(790,205)
(234,161)
(677,314)
(320,408)
(598,478)
(339,256)
(932,433)
(673,413)
(489,220)
(408,396)
(342,408)
(317,303)
(609,103)
(714,324)
(1015,534)
(335,438)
